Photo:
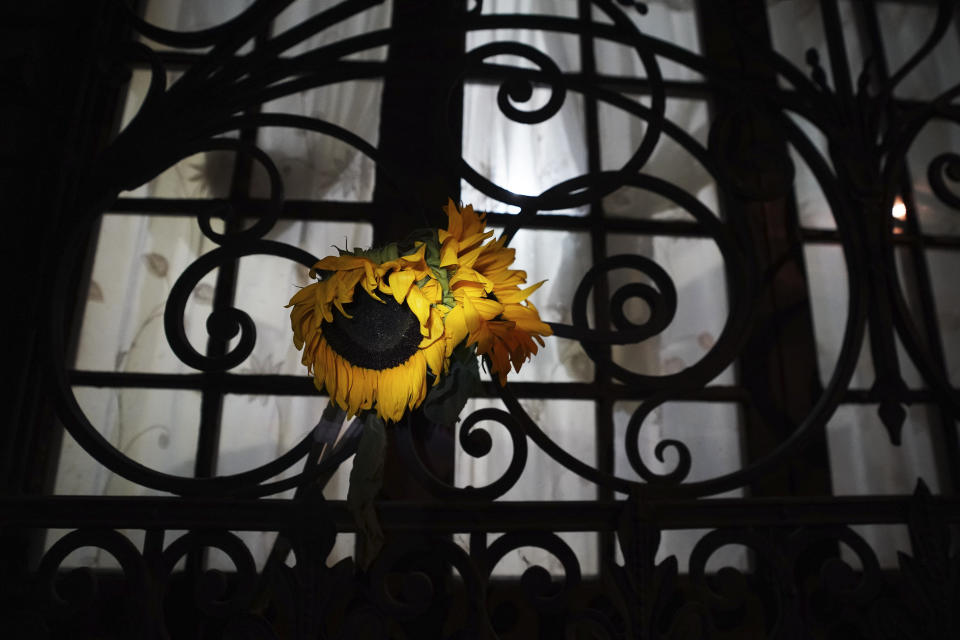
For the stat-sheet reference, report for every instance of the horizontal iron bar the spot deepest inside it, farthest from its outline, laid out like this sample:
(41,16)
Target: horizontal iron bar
(367,212)
(909,396)
(275,514)
(487,74)
(174,60)
(614,224)
(280,385)
(292,209)
(495,74)
(831,236)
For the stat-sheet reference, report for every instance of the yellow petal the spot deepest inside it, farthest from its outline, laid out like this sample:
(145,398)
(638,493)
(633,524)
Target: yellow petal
(487,308)
(515,295)
(483,338)
(454,220)
(434,329)
(344,380)
(370,391)
(495,259)
(421,308)
(326,313)
(328,370)
(500,363)
(468,258)
(432,291)
(370,286)
(400,283)
(391,397)
(472,221)
(527,318)
(434,357)
(417,255)
(303,295)
(468,275)
(506,278)
(416,374)
(473,241)
(470,315)
(455,326)
(448,252)
(357,390)
(467,287)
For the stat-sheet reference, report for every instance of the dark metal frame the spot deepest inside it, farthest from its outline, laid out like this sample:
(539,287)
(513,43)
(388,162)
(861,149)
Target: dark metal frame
(423,585)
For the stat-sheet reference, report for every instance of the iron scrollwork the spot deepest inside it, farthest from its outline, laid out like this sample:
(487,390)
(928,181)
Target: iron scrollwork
(859,176)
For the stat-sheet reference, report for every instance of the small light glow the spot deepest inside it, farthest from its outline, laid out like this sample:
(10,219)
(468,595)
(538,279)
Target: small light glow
(899,210)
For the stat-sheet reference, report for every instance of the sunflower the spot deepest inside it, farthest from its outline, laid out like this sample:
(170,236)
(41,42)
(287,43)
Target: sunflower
(370,352)
(492,310)
(379,325)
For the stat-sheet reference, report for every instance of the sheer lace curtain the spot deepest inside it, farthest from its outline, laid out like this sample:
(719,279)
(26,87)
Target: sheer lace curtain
(139,257)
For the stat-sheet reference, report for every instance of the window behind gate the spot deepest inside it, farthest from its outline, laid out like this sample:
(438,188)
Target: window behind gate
(746,214)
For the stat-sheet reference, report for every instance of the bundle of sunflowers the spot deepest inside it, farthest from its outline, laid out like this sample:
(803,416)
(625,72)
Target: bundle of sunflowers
(385,330)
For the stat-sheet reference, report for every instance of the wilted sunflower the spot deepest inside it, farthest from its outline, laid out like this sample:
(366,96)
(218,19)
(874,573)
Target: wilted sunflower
(370,352)
(380,325)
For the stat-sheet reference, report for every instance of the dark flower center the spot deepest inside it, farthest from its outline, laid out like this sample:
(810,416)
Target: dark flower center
(380,335)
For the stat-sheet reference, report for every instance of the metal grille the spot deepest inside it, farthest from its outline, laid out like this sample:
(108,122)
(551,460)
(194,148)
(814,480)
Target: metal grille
(809,573)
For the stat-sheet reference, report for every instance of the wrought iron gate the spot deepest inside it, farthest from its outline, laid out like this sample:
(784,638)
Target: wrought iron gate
(797,582)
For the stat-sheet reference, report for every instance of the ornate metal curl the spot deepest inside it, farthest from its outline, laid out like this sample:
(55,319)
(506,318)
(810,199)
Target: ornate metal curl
(518,87)
(63,606)
(536,581)
(632,439)
(418,589)
(477,443)
(837,577)
(222,324)
(945,165)
(211,593)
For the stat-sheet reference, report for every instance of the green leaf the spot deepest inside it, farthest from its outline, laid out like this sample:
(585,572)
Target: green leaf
(446,400)
(382,254)
(443,277)
(366,479)
(421,235)
(432,254)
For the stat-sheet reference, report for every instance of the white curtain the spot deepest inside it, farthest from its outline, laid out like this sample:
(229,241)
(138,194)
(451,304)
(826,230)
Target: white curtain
(139,257)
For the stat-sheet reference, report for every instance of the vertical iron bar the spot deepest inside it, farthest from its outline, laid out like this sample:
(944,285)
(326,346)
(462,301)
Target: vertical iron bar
(211,403)
(421,117)
(779,371)
(839,65)
(603,410)
(211,406)
(415,141)
(948,456)
(416,145)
